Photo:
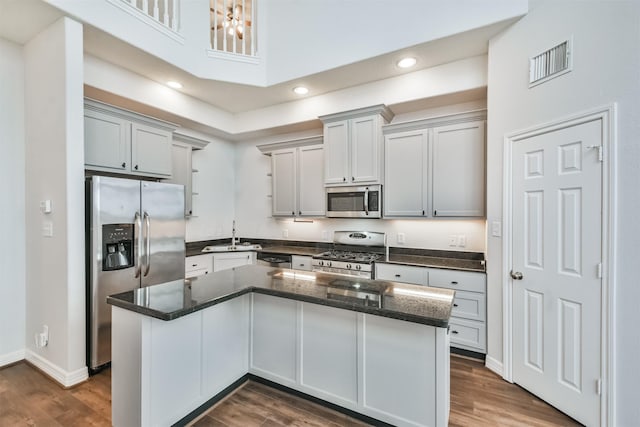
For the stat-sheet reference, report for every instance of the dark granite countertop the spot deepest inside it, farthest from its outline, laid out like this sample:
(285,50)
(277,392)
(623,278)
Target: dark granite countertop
(171,300)
(294,250)
(436,262)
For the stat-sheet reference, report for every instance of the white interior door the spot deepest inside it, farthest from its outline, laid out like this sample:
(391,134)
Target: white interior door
(557,244)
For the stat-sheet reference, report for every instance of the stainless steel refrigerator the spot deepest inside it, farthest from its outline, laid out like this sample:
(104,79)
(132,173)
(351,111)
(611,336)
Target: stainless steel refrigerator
(135,238)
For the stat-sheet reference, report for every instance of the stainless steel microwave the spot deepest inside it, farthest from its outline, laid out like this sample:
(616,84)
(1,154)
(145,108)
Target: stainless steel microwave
(354,202)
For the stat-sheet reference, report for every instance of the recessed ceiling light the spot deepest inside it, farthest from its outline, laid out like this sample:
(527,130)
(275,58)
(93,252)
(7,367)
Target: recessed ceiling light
(301,90)
(174,84)
(407,62)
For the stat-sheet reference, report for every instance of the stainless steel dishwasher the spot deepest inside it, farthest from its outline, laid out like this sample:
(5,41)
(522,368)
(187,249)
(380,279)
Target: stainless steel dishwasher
(274,260)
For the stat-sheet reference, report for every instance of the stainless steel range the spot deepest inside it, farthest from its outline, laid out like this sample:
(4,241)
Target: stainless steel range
(353,254)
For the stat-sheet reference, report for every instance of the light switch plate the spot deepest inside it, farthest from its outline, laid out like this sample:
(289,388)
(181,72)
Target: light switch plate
(496,229)
(47,228)
(453,240)
(401,238)
(462,241)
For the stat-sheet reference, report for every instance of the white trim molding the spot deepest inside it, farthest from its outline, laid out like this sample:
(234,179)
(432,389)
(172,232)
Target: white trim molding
(66,379)
(494,365)
(9,358)
(607,115)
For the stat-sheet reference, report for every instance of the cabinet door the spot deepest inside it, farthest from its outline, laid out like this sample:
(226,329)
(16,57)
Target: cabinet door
(365,150)
(336,154)
(274,338)
(181,172)
(283,173)
(406,174)
(458,170)
(227,260)
(329,352)
(150,150)
(311,195)
(106,141)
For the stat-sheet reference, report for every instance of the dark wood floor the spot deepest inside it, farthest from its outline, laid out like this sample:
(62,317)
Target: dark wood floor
(478,398)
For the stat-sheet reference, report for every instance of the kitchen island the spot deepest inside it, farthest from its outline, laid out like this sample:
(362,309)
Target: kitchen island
(380,349)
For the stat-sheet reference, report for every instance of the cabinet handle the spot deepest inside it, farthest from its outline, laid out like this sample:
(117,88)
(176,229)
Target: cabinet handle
(344,179)
(301,265)
(454,283)
(299,212)
(293,213)
(353,179)
(455,305)
(124,165)
(194,265)
(423,212)
(435,213)
(136,167)
(397,275)
(454,332)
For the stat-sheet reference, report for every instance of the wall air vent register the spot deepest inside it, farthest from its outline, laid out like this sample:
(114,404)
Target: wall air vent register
(550,63)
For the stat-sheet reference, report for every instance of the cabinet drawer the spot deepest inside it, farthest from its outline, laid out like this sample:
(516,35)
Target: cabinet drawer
(401,273)
(457,280)
(469,305)
(299,262)
(198,265)
(468,334)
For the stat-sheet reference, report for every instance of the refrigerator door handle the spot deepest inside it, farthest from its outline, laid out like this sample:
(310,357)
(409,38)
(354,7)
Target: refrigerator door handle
(147,223)
(137,231)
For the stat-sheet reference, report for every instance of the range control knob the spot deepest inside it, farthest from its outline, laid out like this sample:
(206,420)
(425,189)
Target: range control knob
(358,267)
(329,263)
(349,266)
(320,263)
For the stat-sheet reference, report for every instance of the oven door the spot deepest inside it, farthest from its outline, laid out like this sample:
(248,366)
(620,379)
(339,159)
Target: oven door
(354,202)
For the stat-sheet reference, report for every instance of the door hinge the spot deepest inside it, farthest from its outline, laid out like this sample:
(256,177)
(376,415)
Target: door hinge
(599,147)
(599,270)
(598,386)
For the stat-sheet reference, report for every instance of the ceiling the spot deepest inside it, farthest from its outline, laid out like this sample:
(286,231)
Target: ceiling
(20,20)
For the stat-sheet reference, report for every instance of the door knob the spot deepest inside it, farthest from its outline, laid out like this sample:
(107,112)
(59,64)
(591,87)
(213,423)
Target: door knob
(516,275)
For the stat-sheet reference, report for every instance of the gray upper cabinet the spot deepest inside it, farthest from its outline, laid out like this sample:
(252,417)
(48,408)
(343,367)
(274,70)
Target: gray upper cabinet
(185,143)
(121,141)
(297,177)
(353,146)
(106,142)
(435,167)
(459,170)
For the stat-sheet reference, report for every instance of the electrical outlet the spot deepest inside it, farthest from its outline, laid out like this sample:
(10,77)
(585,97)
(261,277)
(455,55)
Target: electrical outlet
(285,233)
(462,241)
(453,240)
(47,228)
(401,238)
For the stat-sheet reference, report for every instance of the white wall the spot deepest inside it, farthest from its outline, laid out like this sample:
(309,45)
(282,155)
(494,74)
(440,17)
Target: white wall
(214,205)
(12,225)
(307,37)
(253,206)
(605,70)
(54,170)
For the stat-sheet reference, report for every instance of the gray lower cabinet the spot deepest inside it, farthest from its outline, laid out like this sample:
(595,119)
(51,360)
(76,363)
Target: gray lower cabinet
(468,316)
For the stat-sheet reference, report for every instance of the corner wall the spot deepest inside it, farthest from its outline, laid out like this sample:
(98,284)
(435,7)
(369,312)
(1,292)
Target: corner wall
(12,222)
(606,61)
(55,284)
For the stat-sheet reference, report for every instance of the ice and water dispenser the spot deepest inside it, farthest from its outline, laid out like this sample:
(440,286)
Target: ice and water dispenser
(117,246)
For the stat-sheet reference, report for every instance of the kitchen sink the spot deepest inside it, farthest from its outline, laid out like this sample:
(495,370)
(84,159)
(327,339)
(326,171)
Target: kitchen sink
(232,248)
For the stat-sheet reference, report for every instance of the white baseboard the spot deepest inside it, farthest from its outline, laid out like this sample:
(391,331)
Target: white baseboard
(493,365)
(66,379)
(16,356)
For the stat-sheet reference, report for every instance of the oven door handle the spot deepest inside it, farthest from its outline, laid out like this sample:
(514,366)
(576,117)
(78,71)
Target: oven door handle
(366,201)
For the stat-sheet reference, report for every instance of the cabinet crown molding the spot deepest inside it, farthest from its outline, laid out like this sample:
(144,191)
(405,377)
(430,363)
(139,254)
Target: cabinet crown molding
(270,147)
(381,109)
(196,143)
(101,107)
(445,120)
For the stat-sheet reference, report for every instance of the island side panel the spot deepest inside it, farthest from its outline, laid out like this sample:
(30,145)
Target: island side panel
(400,370)
(225,340)
(126,367)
